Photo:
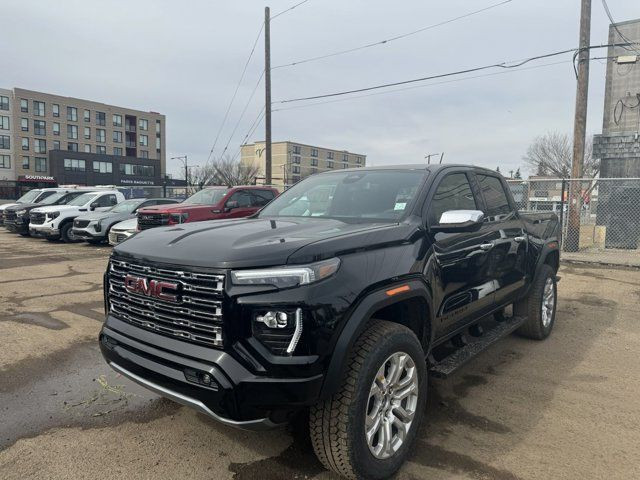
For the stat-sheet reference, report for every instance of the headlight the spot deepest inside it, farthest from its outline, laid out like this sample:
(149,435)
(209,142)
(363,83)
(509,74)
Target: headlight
(21,212)
(52,215)
(178,217)
(284,277)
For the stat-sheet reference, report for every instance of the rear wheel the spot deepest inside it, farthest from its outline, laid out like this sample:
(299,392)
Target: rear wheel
(539,306)
(366,429)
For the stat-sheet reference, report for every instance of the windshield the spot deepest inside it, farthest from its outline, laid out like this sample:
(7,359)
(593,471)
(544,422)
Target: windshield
(208,196)
(374,195)
(29,197)
(51,199)
(82,199)
(127,206)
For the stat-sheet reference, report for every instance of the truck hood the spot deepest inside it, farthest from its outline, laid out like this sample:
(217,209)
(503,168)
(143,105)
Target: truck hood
(130,224)
(95,216)
(55,208)
(7,205)
(252,242)
(173,208)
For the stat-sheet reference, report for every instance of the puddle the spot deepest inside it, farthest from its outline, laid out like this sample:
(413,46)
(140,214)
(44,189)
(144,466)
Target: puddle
(40,319)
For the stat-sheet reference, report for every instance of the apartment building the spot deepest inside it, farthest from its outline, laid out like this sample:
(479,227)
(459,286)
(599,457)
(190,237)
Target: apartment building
(7,162)
(56,139)
(292,161)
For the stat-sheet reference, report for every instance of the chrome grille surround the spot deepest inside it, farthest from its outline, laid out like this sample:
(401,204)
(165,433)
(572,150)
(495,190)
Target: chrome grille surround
(196,317)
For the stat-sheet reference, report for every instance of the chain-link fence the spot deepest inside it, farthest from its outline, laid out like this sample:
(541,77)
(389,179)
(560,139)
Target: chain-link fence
(600,216)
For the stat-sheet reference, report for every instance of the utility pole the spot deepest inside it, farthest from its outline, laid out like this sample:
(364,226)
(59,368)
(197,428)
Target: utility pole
(579,129)
(267,95)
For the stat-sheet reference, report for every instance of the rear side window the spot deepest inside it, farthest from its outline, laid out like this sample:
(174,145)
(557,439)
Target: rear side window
(453,193)
(494,195)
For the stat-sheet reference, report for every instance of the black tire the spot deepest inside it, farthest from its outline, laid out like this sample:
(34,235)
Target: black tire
(65,233)
(337,425)
(531,306)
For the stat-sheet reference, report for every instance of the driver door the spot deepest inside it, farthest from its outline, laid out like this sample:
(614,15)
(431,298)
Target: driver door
(458,269)
(244,208)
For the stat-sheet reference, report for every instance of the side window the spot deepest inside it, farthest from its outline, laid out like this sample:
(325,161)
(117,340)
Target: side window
(261,197)
(494,195)
(453,193)
(107,200)
(243,198)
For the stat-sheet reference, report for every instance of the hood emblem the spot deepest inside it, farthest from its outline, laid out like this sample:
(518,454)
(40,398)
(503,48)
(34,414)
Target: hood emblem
(159,289)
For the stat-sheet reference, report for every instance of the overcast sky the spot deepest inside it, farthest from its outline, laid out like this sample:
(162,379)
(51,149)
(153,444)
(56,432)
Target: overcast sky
(184,59)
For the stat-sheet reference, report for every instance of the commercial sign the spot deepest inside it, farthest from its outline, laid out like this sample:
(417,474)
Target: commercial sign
(130,181)
(36,178)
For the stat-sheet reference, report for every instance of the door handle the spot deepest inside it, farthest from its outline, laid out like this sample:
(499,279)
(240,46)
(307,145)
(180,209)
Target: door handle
(486,246)
(519,239)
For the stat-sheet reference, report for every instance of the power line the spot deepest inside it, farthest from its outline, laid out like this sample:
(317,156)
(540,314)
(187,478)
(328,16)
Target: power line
(430,77)
(613,24)
(289,9)
(431,84)
(421,86)
(514,64)
(252,128)
(391,39)
(244,71)
(246,105)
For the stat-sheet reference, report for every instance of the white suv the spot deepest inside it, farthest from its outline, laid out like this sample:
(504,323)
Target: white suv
(56,221)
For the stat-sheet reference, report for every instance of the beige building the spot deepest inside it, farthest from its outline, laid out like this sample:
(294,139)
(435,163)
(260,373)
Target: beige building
(292,161)
(98,138)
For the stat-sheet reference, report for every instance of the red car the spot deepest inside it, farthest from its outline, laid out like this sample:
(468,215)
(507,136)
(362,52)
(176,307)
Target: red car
(211,203)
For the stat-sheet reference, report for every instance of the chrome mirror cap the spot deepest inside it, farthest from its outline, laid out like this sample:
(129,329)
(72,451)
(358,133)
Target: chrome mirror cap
(456,217)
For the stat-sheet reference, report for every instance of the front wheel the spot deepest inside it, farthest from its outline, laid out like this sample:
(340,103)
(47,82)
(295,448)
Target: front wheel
(66,233)
(539,306)
(366,429)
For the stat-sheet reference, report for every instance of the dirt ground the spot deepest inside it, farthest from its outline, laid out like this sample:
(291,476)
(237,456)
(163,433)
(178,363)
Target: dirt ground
(564,408)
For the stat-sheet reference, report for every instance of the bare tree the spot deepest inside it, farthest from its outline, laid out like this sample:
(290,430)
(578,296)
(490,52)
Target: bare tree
(201,176)
(550,154)
(231,172)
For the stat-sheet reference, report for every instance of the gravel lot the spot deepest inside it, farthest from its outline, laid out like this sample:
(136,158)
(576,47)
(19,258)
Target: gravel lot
(564,408)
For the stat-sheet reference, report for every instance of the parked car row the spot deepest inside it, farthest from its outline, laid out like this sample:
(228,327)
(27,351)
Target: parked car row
(100,214)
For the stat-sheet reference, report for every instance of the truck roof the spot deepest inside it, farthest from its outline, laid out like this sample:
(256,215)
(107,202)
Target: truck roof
(413,166)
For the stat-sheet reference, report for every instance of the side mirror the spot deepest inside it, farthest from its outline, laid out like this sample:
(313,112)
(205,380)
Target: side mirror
(94,205)
(454,221)
(231,204)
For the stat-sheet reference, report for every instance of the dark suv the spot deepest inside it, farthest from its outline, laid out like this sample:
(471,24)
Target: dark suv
(336,298)
(210,203)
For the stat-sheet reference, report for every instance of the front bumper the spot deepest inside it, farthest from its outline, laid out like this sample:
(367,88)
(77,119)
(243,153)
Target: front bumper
(88,233)
(44,230)
(174,369)
(17,226)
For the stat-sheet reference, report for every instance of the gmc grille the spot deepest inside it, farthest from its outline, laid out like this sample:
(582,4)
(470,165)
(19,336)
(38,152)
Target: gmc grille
(81,223)
(10,215)
(151,220)
(197,315)
(36,218)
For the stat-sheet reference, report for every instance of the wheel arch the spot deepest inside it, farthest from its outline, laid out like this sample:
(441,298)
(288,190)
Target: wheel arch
(407,303)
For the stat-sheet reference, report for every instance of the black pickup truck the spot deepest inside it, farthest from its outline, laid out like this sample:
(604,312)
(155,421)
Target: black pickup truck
(338,298)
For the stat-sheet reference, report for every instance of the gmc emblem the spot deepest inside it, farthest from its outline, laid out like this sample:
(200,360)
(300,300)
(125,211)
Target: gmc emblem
(151,288)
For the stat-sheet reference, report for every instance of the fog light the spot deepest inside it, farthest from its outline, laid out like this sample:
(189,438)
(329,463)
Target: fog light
(273,319)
